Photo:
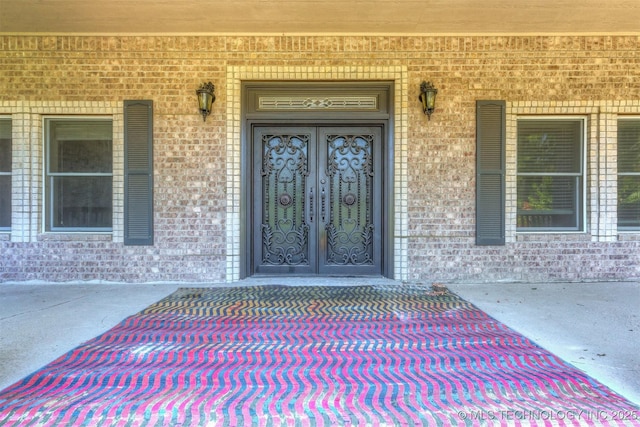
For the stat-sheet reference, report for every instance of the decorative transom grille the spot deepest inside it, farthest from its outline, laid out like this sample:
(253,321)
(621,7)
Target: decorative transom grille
(325,103)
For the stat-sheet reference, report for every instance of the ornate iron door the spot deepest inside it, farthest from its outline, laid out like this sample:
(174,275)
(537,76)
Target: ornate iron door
(317,205)
(285,200)
(350,200)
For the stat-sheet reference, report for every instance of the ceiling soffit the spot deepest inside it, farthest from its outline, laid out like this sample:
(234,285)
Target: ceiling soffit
(320,17)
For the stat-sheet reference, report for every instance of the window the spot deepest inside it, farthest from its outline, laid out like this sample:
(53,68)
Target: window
(629,174)
(5,174)
(550,174)
(78,174)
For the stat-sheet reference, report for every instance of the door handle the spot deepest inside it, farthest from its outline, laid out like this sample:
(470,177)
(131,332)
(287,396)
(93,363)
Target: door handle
(323,204)
(311,204)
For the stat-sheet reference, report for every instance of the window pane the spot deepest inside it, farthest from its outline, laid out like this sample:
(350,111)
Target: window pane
(629,146)
(80,146)
(5,145)
(549,146)
(5,128)
(629,170)
(5,155)
(5,201)
(629,201)
(81,202)
(81,156)
(548,201)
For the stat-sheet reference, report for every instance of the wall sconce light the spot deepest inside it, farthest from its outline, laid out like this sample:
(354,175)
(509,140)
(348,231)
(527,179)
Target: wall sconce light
(205,99)
(428,98)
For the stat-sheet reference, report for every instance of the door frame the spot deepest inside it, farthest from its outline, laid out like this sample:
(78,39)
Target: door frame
(366,104)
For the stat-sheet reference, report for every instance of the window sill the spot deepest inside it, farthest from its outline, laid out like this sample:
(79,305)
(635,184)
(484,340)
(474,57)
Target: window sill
(566,236)
(81,236)
(547,231)
(629,236)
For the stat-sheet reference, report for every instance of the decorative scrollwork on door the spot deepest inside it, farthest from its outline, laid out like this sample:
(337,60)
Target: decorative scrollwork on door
(285,233)
(350,182)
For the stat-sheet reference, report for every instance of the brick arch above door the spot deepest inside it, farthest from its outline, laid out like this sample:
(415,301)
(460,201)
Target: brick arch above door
(237,74)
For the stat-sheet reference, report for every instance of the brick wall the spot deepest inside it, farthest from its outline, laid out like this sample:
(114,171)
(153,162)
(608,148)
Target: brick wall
(197,165)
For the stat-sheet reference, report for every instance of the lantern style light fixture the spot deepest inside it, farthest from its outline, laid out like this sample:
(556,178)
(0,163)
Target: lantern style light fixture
(205,99)
(428,98)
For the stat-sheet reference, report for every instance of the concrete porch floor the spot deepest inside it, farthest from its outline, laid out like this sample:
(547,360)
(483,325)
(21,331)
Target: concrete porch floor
(593,326)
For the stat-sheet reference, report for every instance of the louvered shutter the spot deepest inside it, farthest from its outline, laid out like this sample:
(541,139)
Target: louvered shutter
(490,172)
(138,172)
(5,174)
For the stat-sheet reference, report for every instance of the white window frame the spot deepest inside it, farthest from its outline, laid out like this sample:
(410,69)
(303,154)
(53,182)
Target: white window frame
(623,229)
(10,173)
(582,220)
(48,193)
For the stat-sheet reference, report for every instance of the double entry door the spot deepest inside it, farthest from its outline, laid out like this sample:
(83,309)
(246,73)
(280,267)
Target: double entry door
(317,200)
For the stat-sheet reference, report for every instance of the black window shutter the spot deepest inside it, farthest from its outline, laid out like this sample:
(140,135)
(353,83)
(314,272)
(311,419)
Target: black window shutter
(490,172)
(138,172)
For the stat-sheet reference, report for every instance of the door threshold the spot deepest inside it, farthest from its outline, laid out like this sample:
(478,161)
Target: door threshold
(290,280)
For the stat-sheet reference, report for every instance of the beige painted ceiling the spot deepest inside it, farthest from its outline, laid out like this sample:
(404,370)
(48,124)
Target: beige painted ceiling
(321,16)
